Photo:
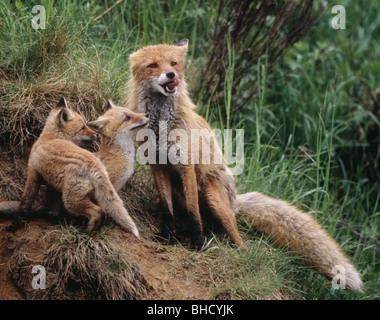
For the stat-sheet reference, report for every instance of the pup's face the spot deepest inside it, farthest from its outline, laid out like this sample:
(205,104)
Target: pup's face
(118,121)
(69,125)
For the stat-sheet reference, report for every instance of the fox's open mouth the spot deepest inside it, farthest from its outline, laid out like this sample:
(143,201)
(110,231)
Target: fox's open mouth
(140,126)
(171,87)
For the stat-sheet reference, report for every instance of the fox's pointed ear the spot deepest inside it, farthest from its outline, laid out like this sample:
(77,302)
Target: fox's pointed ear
(64,115)
(182,46)
(98,124)
(110,105)
(61,103)
(183,43)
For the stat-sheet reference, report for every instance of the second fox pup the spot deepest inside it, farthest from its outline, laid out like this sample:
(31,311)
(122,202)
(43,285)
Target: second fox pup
(73,171)
(117,127)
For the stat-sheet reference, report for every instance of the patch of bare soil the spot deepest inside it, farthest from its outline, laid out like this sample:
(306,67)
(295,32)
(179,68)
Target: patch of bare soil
(12,172)
(32,234)
(172,272)
(169,275)
(8,290)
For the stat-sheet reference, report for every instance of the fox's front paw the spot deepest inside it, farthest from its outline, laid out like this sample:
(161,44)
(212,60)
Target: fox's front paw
(197,239)
(165,237)
(198,242)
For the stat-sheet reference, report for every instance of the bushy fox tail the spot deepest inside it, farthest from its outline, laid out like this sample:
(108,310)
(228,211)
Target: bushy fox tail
(109,200)
(298,231)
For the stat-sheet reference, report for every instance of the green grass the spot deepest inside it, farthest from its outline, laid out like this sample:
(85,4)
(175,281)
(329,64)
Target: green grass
(306,127)
(318,99)
(257,271)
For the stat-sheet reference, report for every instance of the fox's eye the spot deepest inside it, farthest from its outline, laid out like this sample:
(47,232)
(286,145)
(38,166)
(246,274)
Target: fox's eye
(153,65)
(174,63)
(127,118)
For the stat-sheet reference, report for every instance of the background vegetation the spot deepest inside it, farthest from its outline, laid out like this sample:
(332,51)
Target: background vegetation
(304,93)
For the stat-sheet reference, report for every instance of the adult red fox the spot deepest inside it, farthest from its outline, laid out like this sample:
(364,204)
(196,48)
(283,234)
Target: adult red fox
(157,87)
(76,173)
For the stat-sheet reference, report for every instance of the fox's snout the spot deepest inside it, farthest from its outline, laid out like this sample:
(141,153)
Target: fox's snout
(170,75)
(89,132)
(90,135)
(144,119)
(138,121)
(95,137)
(167,83)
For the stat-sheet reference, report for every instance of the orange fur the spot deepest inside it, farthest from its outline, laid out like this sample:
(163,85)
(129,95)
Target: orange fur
(195,181)
(73,171)
(190,184)
(117,127)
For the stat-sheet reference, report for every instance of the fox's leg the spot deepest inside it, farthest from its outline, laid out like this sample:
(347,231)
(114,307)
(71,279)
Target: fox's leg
(85,207)
(76,199)
(52,200)
(220,207)
(163,185)
(32,186)
(190,190)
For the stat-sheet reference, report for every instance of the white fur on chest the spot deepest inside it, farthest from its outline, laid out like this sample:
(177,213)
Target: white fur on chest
(127,147)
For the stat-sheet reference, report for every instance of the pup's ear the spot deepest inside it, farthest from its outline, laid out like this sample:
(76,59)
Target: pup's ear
(61,103)
(183,43)
(64,115)
(98,124)
(110,105)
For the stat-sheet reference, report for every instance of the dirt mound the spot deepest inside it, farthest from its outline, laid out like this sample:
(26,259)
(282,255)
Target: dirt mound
(167,275)
(8,290)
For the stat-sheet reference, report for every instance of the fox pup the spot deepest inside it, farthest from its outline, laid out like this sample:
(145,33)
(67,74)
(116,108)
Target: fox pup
(157,86)
(73,171)
(117,127)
